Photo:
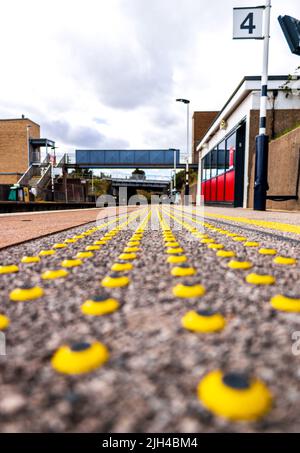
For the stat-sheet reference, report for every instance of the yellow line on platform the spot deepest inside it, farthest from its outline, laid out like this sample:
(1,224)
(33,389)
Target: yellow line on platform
(285,227)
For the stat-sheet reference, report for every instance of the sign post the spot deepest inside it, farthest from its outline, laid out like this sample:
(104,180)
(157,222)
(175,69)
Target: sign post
(248,25)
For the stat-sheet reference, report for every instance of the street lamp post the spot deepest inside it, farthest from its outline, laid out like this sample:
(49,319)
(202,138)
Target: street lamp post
(187,188)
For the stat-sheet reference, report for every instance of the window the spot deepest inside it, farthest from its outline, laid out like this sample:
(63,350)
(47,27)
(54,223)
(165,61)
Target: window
(221,158)
(214,162)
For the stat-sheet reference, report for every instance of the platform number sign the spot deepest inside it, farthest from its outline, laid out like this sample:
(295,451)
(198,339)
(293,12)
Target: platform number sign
(248,23)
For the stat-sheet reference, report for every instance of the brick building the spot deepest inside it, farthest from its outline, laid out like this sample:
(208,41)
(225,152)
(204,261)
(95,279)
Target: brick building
(200,124)
(227,150)
(15,150)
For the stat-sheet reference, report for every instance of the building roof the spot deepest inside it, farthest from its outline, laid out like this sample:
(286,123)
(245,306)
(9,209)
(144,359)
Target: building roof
(246,86)
(19,119)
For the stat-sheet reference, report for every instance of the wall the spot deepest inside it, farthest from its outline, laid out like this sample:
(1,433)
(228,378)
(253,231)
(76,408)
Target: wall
(201,123)
(283,119)
(284,159)
(13,148)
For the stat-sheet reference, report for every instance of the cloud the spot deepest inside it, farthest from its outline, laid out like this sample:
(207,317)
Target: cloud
(81,136)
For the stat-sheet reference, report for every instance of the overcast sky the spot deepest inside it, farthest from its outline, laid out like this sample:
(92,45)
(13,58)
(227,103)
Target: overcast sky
(105,73)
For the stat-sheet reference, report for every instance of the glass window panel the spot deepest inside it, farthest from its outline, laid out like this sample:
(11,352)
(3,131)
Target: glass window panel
(221,158)
(214,162)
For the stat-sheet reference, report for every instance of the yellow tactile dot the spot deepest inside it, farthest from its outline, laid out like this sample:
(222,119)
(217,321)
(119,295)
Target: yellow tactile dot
(234,396)
(265,251)
(92,248)
(225,254)
(100,242)
(285,303)
(174,251)
(208,241)
(284,261)
(122,267)
(203,321)
(232,235)
(84,255)
(183,271)
(177,259)
(68,263)
(131,249)
(127,256)
(233,264)
(53,275)
(215,246)
(30,259)
(115,281)
(239,239)
(79,236)
(172,244)
(256,279)
(4,322)
(70,241)
(60,246)
(26,293)
(47,252)
(186,291)
(251,244)
(100,306)
(133,243)
(10,269)
(80,358)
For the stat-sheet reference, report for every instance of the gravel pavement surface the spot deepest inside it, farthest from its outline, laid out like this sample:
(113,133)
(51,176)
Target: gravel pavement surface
(150,382)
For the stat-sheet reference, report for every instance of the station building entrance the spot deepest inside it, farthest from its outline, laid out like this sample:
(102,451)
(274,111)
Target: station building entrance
(223,169)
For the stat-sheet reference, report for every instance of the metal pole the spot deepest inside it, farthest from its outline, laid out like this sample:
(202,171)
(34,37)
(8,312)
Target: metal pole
(187,189)
(262,140)
(175,164)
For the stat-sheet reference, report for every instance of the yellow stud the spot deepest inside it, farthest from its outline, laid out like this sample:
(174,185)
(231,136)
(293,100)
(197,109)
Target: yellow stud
(80,358)
(92,248)
(101,242)
(60,246)
(100,306)
(127,256)
(251,244)
(131,249)
(70,241)
(207,241)
(71,263)
(177,259)
(284,261)
(285,303)
(11,269)
(233,264)
(122,267)
(47,252)
(226,254)
(175,251)
(240,239)
(183,271)
(84,255)
(188,291)
(115,281)
(265,251)
(233,396)
(172,244)
(53,275)
(215,246)
(30,259)
(26,293)
(4,322)
(204,321)
(256,279)
(133,243)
